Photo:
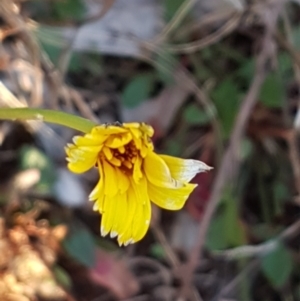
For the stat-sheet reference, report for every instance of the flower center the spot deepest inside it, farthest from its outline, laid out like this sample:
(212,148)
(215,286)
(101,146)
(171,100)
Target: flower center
(123,157)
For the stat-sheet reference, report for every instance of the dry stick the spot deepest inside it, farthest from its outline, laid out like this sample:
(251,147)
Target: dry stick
(264,248)
(230,158)
(172,25)
(249,251)
(185,79)
(207,20)
(226,29)
(251,268)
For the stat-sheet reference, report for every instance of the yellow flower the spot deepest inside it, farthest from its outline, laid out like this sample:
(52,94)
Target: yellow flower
(131,175)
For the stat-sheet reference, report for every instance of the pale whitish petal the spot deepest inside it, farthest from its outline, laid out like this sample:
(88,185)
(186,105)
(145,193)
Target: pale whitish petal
(184,169)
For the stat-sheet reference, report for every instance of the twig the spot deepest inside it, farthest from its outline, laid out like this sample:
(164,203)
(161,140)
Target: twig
(186,80)
(250,269)
(230,159)
(215,37)
(161,238)
(204,22)
(172,25)
(261,249)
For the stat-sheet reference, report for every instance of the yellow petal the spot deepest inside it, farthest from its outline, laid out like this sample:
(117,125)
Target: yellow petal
(97,194)
(117,141)
(147,129)
(107,153)
(108,214)
(125,236)
(81,159)
(120,215)
(184,169)
(110,179)
(137,137)
(107,130)
(123,181)
(142,217)
(89,140)
(131,125)
(170,198)
(157,171)
(137,172)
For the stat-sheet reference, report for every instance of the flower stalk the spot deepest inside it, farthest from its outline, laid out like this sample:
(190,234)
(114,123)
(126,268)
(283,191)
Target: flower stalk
(51,116)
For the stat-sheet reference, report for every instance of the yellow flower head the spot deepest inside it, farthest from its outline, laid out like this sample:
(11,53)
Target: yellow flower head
(131,175)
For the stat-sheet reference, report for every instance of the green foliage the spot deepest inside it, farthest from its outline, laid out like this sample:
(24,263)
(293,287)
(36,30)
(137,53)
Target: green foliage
(69,9)
(31,157)
(171,7)
(52,51)
(62,277)
(272,93)
(277,265)
(226,230)
(226,99)
(246,148)
(173,147)
(80,245)
(158,251)
(195,116)
(165,64)
(138,90)
(246,71)
(296,37)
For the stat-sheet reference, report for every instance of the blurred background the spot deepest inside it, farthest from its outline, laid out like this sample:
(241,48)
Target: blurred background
(219,81)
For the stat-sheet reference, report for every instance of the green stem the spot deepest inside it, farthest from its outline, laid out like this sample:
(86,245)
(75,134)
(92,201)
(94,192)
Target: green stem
(51,116)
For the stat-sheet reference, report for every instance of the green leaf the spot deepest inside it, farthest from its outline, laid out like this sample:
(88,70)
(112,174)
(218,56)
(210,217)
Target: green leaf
(171,7)
(272,93)
(194,115)
(81,245)
(296,37)
(246,71)
(62,277)
(285,64)
(138,90)
(165,64)
(158,251)
(69,9)
(226,99)
(277,265)
(173,147)
(52,51)
(246,148)
(225,230)
(31,157)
